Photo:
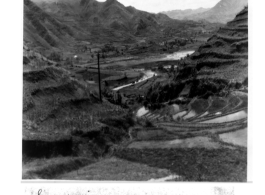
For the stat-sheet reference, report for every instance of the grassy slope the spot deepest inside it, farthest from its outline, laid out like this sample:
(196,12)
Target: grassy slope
(222,165)
(114,169)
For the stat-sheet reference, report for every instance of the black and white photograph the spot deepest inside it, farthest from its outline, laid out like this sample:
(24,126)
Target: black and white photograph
(135,91)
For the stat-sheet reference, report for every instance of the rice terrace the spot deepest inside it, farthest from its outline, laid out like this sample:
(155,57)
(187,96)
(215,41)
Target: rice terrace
(114,93)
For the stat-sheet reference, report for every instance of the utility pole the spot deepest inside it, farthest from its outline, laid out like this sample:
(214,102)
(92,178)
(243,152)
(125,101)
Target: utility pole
(99,81)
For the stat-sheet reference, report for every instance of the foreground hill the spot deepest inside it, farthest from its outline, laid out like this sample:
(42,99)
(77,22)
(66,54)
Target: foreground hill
(222,12)
(55,111)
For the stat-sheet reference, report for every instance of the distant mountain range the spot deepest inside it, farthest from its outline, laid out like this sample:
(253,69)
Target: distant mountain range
(182,14)
(222,12)
(110,13)
(56,23)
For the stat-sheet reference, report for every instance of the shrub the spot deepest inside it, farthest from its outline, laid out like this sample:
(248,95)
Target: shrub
(54,56)
(148,123)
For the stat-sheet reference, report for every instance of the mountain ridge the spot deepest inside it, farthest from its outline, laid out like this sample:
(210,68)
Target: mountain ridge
(90,20)
(223,12)
(182,14)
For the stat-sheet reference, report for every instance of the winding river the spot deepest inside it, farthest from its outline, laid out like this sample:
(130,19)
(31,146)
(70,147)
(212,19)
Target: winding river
(149,73)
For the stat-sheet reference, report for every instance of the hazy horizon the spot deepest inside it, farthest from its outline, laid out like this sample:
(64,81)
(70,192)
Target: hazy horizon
(156,6)
(167,5)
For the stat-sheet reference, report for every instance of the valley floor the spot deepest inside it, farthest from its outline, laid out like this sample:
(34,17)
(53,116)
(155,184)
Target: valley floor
(167,114)
(178,142)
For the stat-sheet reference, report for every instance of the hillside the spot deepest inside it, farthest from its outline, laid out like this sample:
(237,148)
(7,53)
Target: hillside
(55,105)
(62,23)
(182,14)
(110,13)
(222,12)
(92,20)
(216,68)
(199,112)
(65,126)
(43,30)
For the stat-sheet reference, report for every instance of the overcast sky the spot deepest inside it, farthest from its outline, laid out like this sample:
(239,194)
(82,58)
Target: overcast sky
(166,5)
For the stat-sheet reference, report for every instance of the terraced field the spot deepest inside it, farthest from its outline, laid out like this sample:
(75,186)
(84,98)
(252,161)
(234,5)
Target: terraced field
(190,149)
(212,125)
